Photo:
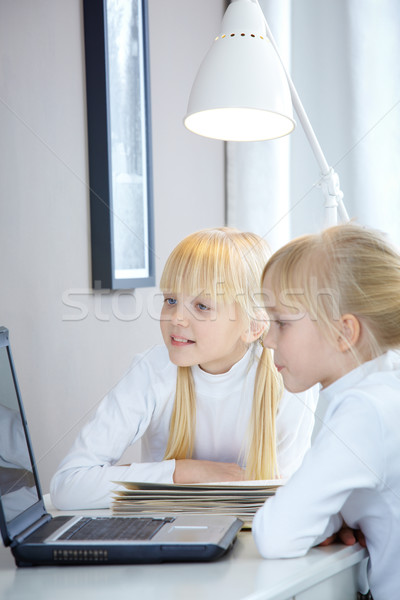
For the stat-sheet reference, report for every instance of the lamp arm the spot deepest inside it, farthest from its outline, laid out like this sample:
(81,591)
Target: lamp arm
(330,180)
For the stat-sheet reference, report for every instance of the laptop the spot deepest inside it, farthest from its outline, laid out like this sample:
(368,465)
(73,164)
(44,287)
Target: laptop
(37,538)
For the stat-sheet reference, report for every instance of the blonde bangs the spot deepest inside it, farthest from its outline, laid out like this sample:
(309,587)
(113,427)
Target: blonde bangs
(289,271)
(303,278)
(223,264)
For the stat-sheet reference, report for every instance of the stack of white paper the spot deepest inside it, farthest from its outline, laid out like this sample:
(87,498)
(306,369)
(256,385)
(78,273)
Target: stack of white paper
(241,499)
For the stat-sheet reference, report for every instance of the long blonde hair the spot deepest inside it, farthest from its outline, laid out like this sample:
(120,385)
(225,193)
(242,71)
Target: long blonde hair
(346,269)
(227,264)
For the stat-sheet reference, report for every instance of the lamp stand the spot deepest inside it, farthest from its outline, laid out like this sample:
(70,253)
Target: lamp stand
(329,178)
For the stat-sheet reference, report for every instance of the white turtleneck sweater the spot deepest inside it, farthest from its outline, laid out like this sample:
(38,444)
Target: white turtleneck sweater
(351,473)
(140,407)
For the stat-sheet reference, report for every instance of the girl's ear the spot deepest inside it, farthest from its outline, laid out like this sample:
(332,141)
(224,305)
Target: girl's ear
(350,331)
(254,332)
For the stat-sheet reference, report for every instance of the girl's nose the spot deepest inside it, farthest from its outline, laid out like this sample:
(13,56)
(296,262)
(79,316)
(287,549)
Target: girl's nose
(269,339)
(180,316)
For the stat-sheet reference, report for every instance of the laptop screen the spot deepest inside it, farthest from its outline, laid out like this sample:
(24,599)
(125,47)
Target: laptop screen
(18,489)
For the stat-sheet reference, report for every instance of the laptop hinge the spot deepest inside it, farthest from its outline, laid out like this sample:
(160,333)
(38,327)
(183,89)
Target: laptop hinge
(31,529)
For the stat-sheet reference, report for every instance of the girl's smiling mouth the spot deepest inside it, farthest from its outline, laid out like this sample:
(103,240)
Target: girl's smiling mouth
(179,341)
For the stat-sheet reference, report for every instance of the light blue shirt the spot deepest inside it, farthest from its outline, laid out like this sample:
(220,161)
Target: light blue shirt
(351,473)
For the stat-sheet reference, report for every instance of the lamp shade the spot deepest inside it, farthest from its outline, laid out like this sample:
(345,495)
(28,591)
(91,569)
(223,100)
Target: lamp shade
(241,92)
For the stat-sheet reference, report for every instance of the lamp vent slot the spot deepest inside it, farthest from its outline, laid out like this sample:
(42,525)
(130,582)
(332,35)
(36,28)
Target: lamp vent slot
(232,35)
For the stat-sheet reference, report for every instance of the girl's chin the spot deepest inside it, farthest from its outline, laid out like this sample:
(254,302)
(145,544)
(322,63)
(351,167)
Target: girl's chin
(180,362)
(293,387)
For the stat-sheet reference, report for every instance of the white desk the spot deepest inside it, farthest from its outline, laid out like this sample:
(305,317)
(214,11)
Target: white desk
(330,573)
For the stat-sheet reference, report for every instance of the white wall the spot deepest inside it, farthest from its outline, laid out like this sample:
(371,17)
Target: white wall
(346,71)
(65,366)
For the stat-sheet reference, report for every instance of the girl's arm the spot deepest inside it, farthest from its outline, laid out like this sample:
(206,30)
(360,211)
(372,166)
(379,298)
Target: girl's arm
(344,457)
(86,477)
(206,471)
(294,426)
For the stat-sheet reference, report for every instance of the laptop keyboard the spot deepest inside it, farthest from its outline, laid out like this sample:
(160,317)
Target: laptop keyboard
(115,528)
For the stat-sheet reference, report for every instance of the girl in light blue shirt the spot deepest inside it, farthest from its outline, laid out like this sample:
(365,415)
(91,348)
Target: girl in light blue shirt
(334,305)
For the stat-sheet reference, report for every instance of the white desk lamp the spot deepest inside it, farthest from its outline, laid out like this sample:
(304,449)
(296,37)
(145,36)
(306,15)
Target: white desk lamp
(242,92)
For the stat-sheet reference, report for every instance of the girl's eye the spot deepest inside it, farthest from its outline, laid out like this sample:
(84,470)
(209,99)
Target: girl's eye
(202,307)
(280,324)
(170,301)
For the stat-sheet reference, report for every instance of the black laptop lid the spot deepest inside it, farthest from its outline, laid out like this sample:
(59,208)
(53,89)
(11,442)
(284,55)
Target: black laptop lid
(21,502)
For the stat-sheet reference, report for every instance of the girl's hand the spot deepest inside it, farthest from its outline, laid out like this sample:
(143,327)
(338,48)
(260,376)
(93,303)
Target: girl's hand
(346,536)
(206,471)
